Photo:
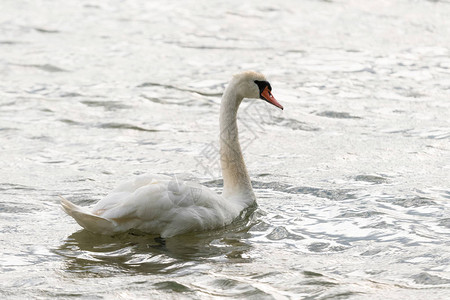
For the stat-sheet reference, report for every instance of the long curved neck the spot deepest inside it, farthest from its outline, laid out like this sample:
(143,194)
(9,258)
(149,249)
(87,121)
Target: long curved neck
(236,181)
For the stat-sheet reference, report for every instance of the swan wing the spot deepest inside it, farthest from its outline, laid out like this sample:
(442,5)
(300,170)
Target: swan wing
(158,205)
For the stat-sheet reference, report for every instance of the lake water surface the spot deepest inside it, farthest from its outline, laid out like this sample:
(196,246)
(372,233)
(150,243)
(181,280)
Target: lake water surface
(352,178)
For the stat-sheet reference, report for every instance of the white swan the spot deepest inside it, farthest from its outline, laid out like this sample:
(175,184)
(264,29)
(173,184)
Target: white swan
(157,204)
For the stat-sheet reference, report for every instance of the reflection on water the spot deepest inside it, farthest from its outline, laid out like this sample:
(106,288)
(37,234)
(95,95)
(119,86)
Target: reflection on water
(136,252)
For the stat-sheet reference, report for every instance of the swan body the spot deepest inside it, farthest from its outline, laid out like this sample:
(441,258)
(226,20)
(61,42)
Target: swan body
(159,204)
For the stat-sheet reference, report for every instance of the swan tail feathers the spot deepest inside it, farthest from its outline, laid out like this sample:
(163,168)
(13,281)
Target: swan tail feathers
(86,219)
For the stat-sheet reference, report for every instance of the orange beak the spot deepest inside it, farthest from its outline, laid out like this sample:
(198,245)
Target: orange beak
(267,95)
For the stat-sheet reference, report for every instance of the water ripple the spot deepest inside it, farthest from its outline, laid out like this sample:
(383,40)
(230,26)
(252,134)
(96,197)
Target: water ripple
(125,126)
(43,67)
(337,115)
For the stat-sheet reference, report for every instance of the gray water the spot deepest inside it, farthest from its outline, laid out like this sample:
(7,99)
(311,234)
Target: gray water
(352,178)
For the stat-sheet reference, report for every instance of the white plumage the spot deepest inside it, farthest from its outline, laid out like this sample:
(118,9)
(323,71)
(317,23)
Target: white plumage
(160,204)
(156,204)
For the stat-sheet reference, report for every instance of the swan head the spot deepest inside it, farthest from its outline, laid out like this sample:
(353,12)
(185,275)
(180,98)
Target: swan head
(255,85)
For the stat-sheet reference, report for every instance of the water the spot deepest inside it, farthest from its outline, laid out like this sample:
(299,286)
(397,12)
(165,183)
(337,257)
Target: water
(352,178)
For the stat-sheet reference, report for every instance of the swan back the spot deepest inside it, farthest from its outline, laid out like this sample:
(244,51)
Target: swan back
(156,204)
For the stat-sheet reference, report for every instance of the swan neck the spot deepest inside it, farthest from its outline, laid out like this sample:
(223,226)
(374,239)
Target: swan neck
(236,181)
